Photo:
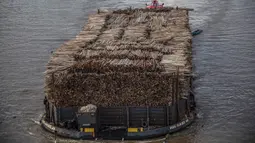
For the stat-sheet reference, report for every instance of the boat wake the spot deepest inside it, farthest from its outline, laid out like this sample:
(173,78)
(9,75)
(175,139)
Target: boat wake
(36,122)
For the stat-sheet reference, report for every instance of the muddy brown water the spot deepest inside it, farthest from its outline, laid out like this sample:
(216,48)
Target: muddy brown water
(223,55)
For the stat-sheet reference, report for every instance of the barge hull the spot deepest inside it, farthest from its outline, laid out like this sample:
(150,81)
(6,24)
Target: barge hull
(73,134)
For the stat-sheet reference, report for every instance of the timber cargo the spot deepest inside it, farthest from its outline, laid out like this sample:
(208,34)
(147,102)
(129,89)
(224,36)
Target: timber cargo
(133,67)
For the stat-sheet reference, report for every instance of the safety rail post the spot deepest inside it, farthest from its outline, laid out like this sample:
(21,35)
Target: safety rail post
(167,115)
(177,94)
(127,109)
(54,110)
(173,89)
(148,118)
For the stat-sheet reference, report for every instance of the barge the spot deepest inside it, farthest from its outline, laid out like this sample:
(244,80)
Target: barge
(127,75)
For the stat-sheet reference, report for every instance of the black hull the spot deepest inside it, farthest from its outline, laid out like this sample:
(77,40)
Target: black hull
(74,134)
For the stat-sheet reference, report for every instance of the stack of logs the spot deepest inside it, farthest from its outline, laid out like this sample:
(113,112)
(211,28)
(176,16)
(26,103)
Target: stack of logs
(124,58)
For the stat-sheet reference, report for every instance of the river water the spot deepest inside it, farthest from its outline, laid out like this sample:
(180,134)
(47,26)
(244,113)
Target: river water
(224,60)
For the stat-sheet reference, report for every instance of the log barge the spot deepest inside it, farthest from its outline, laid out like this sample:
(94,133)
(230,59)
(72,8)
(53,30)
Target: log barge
(126,75)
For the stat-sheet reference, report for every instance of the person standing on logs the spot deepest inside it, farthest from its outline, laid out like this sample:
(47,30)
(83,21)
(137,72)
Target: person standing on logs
(155,3)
